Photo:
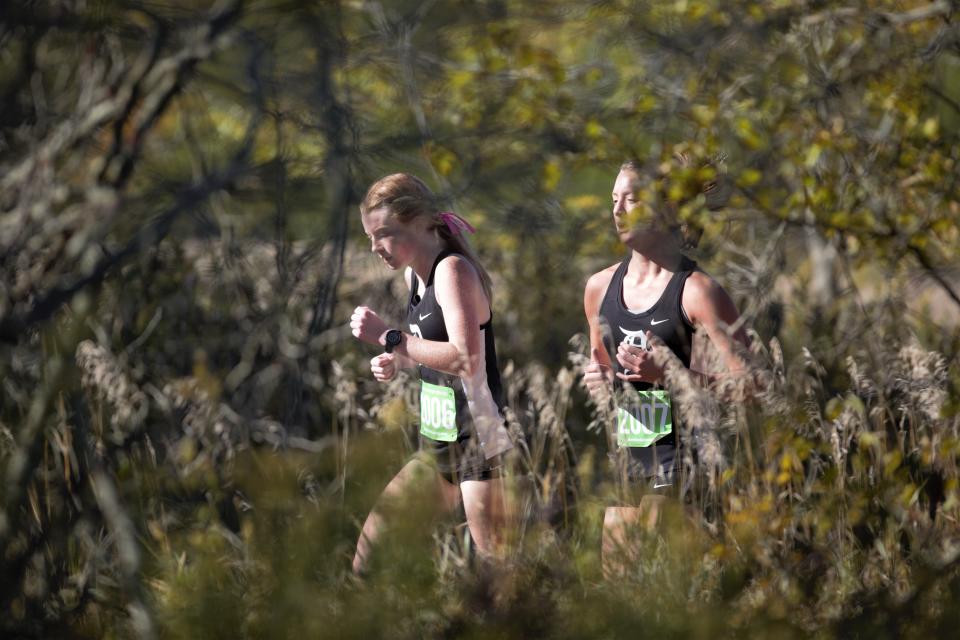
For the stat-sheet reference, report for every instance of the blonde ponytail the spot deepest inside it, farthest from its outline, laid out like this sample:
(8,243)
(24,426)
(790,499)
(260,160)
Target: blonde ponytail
(406,197)
(458,243)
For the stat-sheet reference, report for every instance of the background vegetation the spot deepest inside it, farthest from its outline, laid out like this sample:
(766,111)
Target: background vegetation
(190,438)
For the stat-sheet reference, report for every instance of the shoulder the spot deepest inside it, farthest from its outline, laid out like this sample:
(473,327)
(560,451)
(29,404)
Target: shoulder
(704,299)
(455,271)
(699,284)
(457,283)
(599,281)
(455,265)
(597,285)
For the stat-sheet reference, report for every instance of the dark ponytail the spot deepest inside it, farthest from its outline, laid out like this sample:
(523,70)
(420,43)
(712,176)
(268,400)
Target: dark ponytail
(715,190)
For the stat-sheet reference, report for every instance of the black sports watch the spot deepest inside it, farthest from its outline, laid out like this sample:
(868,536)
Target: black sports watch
(393,338)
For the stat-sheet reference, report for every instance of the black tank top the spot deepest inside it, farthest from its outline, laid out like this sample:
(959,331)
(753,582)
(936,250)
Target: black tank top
(666,320)
(425,320)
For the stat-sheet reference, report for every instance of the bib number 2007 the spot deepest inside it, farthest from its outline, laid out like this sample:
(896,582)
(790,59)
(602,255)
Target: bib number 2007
(438,412)
(651,421)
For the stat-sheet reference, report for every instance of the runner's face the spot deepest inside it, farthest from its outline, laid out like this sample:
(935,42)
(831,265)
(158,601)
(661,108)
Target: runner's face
(390,239)
(632,212)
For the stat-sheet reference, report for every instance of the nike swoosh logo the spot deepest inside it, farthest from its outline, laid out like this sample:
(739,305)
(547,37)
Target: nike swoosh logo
(655,322)
(426,315)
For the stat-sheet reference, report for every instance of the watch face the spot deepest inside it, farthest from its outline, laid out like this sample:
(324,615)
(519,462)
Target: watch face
(393,337)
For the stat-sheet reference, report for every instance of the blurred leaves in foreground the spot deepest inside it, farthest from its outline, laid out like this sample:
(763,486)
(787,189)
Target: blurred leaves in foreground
(189,437)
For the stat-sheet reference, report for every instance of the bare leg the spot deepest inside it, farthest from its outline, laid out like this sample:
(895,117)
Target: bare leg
(620,526)
(488,515)
(414,476)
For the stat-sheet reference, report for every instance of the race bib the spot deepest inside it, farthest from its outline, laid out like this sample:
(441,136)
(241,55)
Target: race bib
(651,421)
(438,412)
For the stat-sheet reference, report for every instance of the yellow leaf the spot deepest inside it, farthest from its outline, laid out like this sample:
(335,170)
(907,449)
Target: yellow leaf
(833,409)
(585,202)
(891,462)
(393,414)
(645,104)
(869,439)
(551,175)
(786,461)
(703,114)
(839,219)
(748,134)
(443,159)
(855,403)
(919,240)
(749,177)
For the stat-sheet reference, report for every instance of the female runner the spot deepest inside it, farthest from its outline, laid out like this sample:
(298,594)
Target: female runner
(655,294)
(448,338)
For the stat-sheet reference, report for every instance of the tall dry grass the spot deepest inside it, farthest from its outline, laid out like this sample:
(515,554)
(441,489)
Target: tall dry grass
(820,496)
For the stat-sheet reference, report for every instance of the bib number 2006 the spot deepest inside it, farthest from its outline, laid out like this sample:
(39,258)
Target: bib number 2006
(438,412)
(651,421)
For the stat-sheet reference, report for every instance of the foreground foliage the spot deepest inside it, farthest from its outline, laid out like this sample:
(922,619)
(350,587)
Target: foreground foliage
(190,439)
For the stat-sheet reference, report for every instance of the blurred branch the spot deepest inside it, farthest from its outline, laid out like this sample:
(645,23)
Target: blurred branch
(28,65)
(278,441)
(337,124)
(128,551)
(23,460)
(12,327)
(338,129)
(932,10)
(940,94)
(156,82)
(32,14)
(934,273)
(163,80)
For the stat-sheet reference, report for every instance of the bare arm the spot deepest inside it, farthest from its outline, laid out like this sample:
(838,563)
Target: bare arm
(709,306)
(403,361)
(465,307)
(460,295)
(598,375)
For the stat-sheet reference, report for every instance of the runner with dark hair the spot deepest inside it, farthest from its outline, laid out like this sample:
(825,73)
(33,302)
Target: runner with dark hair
(656,294)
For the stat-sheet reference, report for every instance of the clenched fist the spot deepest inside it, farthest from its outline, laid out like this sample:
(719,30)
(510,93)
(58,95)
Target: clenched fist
(384,366)
(366,325)
(597,378)
(638,362)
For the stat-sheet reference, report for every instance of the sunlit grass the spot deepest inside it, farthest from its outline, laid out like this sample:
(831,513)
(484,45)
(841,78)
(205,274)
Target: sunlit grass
(831,522)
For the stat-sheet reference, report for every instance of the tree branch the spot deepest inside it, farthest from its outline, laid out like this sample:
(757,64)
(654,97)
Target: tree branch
(934,273)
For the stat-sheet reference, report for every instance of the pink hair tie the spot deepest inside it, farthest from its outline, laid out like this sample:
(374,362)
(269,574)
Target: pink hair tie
(455,223)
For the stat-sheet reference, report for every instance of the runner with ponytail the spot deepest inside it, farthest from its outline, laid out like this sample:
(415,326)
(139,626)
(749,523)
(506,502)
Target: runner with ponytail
(447,339)
(656,295)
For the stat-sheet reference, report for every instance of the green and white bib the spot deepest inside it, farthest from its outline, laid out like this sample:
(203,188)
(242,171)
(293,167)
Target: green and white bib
(438,412)
(649,420)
